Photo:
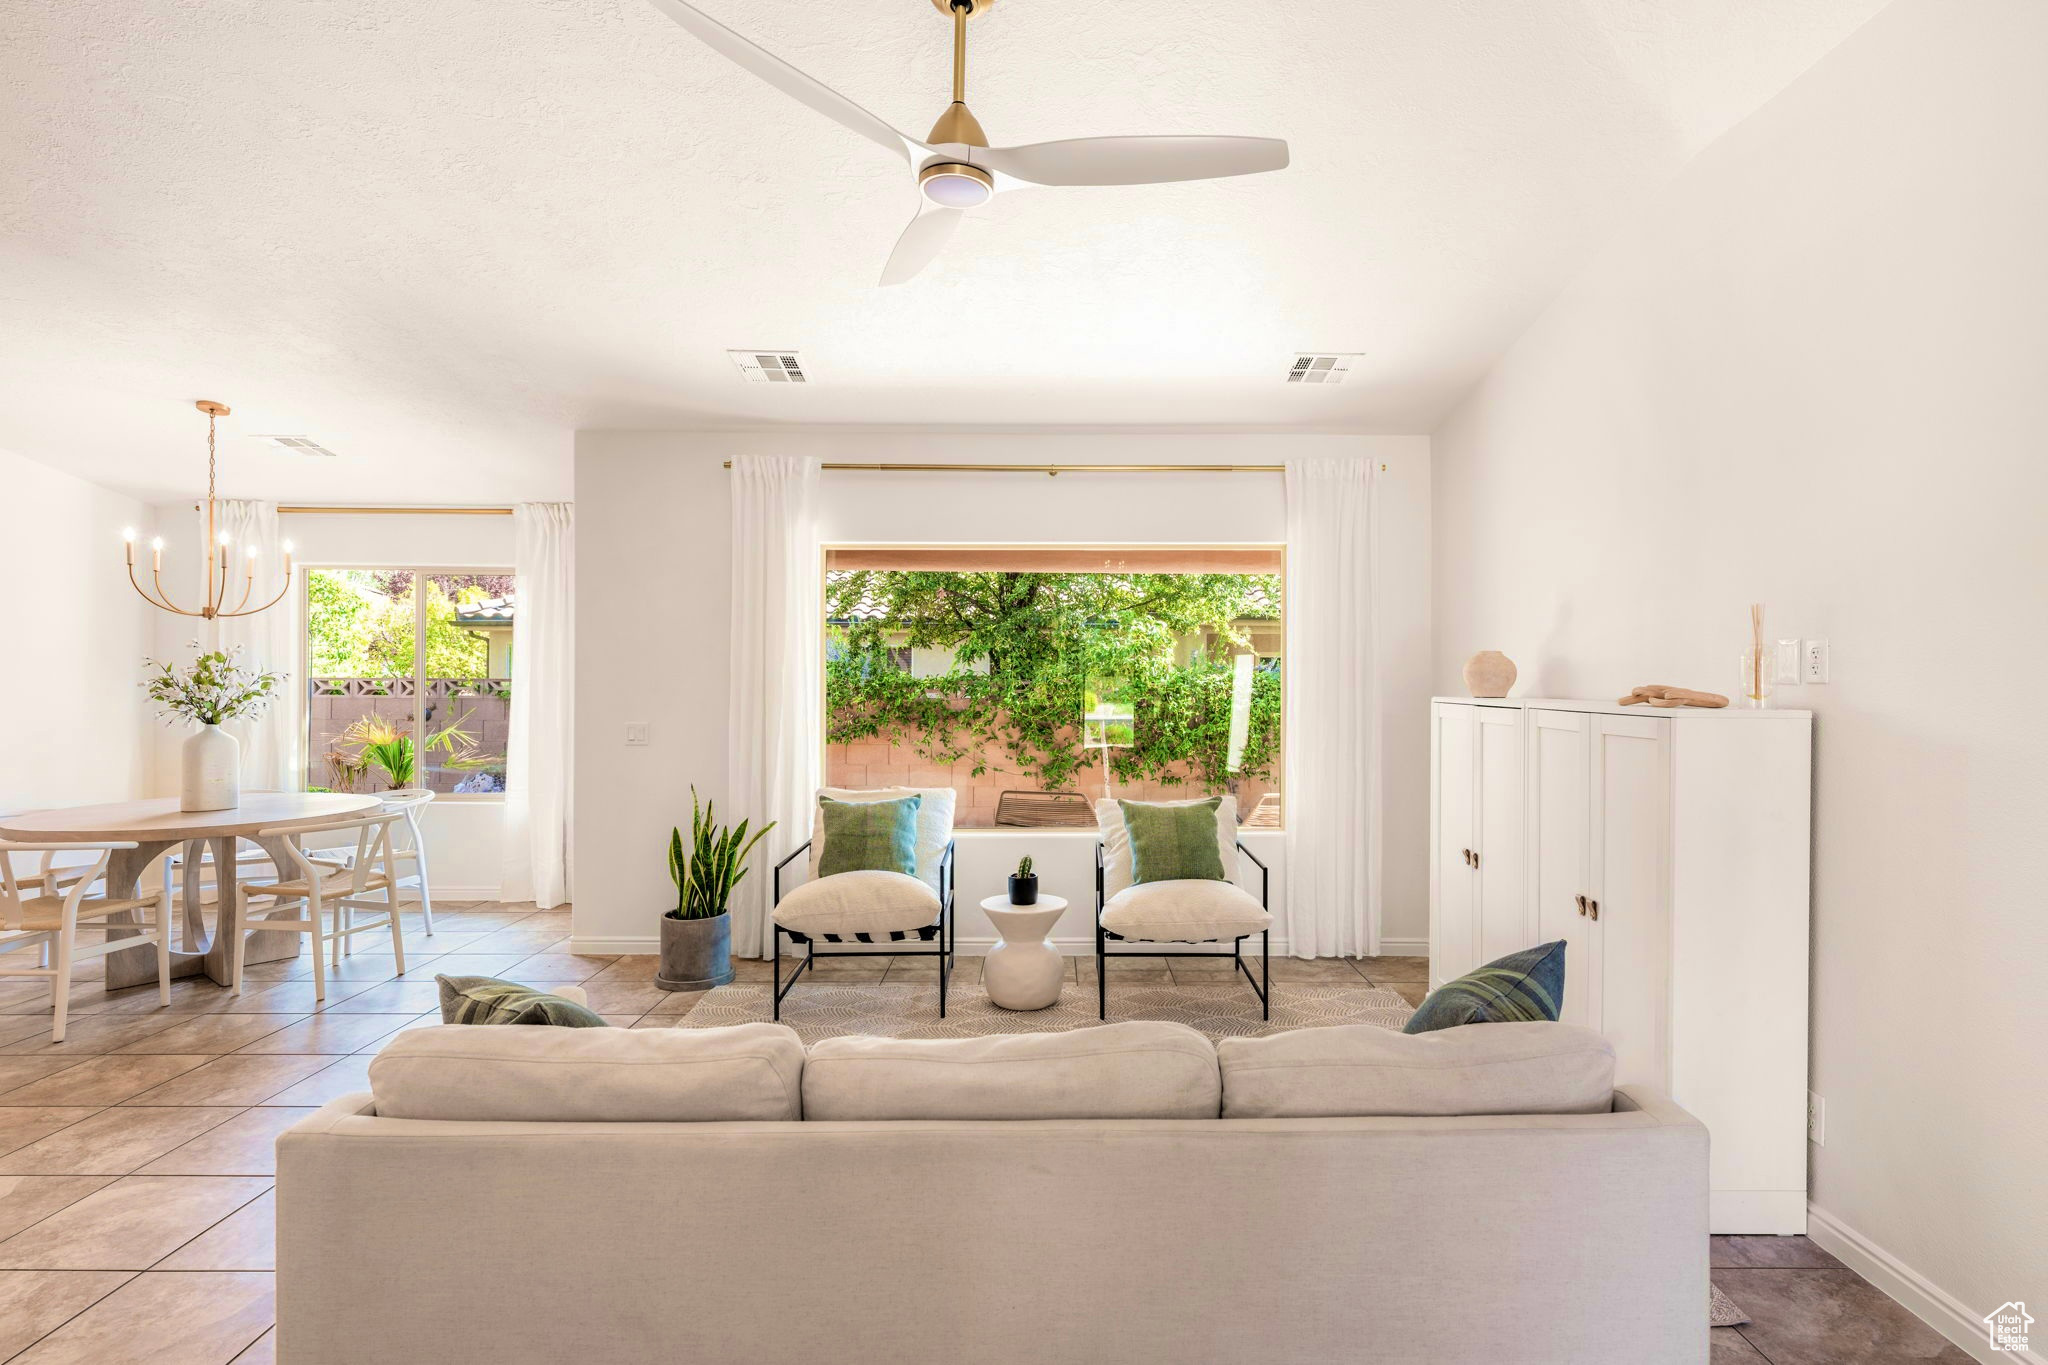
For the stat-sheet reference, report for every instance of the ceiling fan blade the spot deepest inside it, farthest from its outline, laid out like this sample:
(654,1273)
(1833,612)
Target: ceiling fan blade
(920,244)
(1136,160)
(788,79)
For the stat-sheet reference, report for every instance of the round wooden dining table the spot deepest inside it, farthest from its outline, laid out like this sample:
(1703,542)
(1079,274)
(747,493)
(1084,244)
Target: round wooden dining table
(157,826)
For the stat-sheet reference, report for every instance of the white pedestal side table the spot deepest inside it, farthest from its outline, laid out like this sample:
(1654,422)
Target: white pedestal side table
(1024,971)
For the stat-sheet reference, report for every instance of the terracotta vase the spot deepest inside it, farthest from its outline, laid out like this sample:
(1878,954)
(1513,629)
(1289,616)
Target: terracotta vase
(1489,673)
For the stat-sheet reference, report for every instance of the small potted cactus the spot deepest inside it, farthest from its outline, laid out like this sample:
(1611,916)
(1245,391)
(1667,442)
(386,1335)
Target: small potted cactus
(1023,884)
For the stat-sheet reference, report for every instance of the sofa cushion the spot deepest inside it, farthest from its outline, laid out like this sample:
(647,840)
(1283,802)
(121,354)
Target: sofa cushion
(485,1000)
(1134,1070)
(1360,1071)
(934,824)
(1116,840)
(863,836)
(1526,986)
(850,903)
(1195,911)
(460,1072)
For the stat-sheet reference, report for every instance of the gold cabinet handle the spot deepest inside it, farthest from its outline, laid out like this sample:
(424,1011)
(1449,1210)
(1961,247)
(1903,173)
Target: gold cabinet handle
(1593,909)
(1582,904)
(1475,860)
(1468,857)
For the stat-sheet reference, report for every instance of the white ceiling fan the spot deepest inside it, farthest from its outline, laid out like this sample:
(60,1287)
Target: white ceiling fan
(958,170)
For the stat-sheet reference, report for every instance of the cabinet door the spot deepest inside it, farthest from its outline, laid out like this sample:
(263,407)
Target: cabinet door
(1501,925)
(1630,821)
(1451,770)
(1560,810)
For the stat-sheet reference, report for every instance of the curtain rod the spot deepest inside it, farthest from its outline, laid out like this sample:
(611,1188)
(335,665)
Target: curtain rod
(1054,470)
(394,511)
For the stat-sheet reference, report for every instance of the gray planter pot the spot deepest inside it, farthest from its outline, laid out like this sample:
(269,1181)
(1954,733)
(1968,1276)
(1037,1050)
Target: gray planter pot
(696,954)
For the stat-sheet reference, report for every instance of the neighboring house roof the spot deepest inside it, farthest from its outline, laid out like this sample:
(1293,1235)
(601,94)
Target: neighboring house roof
(488,611)
(1261,604)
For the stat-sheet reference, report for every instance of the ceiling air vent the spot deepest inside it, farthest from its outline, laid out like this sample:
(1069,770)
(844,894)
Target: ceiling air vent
(297,445)
(1321,369)
(770,367)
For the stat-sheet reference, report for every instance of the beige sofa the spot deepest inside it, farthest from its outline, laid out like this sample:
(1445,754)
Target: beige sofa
(1121,1195)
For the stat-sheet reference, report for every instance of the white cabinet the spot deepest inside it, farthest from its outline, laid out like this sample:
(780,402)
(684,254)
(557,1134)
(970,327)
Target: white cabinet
(1599,802)
(1480,902)
(1669,851)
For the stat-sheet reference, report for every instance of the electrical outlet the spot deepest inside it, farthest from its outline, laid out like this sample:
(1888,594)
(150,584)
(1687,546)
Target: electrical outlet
(1816,1120)
(1815,666)
(637,732)
(1787,661)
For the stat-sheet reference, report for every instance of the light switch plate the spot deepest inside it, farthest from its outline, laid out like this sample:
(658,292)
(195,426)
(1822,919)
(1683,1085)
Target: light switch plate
(1787,661)
(637,732)
(1815,669)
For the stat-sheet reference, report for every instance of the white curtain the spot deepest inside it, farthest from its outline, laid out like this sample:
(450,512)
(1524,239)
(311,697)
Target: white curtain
(1332,682)
(268,640)
(542,724)
(778,610)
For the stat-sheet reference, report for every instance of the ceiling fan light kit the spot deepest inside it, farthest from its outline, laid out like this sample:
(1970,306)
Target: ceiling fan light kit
(957,169)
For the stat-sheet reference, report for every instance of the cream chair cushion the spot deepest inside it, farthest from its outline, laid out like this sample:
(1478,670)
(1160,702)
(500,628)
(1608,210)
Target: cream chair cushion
(1359,1071)
(934,824)
(1116,840)
(1130,1071)
(850,903)
(485,1074)
(1184,912)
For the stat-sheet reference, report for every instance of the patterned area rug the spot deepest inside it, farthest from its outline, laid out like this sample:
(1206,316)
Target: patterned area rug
(829,1009)
(1721,1310)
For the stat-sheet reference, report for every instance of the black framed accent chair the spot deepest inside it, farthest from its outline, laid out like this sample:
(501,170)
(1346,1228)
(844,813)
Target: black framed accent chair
(1207,906)
(880,883)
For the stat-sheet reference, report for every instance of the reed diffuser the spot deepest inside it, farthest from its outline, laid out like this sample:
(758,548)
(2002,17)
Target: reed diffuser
(1758,667)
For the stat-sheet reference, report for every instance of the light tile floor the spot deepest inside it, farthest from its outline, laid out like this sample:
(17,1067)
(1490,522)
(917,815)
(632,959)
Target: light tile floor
(136,1202)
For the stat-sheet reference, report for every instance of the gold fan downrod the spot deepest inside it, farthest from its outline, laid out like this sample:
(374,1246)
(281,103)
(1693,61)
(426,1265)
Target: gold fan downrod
(958,123)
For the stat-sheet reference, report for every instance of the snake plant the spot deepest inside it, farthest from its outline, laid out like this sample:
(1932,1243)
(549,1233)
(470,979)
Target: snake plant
(712,865)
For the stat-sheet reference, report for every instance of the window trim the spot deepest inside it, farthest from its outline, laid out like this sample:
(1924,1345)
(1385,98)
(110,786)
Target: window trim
(303,588)
(826,548)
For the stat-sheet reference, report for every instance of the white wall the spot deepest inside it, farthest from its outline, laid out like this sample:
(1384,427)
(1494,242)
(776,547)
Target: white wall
(1815,376)
(77,722)
(464,836)
(653,552)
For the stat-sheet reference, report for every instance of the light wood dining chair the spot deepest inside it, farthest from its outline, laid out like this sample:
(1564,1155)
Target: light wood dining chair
(328,887)
(42,911)
(410,802)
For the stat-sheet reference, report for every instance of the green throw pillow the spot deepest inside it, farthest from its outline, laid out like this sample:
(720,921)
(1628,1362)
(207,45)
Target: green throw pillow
(869,836)
(487,1000)
(1523,987)
(1173,843)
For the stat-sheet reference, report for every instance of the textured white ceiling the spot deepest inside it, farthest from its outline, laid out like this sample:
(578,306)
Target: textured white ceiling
(441,237)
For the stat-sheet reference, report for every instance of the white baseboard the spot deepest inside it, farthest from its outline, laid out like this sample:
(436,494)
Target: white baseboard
(1404,947)
(465,893)
(615,947)
(1922,1297)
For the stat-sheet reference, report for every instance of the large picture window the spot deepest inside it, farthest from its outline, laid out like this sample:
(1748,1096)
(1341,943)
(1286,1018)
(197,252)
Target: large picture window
(1035,681)
(408,676)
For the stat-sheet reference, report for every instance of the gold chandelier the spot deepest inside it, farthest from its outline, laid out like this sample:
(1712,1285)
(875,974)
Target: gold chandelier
(218,544)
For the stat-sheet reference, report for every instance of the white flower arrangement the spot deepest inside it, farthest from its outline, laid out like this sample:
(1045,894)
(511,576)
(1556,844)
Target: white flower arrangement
(212,689)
